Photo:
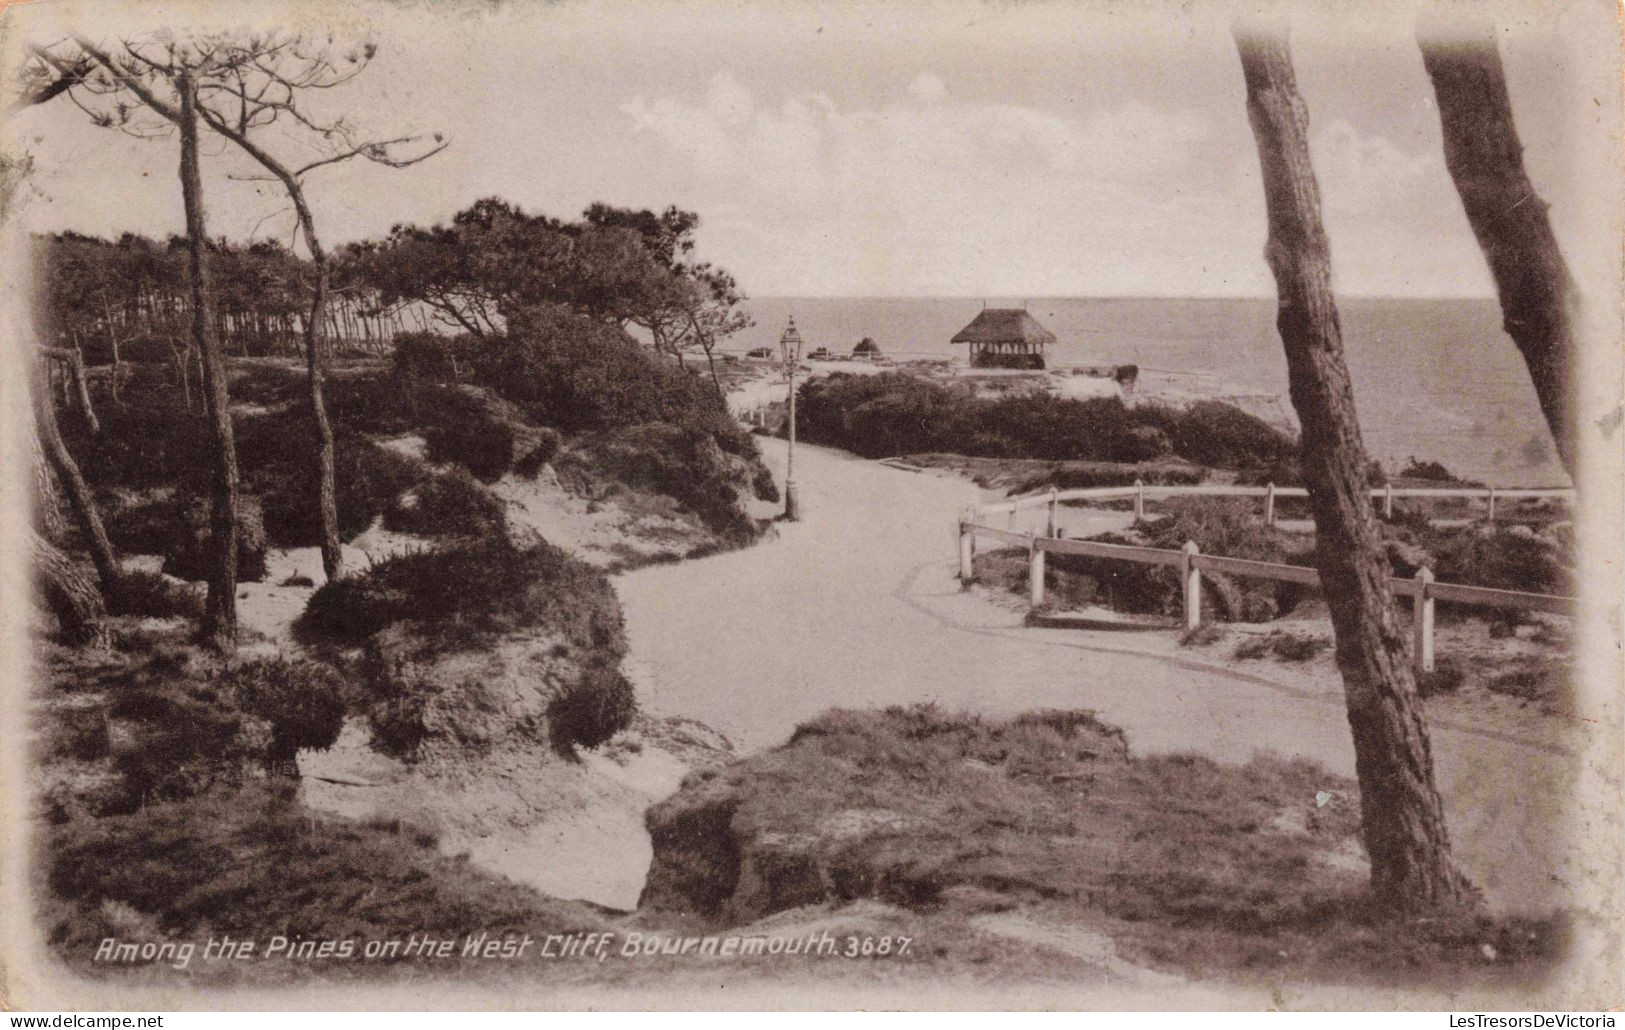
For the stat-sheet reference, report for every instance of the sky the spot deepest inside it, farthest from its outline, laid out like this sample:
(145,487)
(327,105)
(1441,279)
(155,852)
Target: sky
(1006,150)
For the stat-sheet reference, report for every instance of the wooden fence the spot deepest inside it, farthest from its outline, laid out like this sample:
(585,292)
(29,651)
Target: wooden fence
(1191,562)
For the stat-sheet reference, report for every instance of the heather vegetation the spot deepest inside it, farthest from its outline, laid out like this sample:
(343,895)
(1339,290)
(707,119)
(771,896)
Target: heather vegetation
(175,757)
(1050,820)
(895,413)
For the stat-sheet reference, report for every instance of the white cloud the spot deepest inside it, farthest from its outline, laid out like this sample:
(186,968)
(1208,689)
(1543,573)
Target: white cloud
(943,196)
(928,88)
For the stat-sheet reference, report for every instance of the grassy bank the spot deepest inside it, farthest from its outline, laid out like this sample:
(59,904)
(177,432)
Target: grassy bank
(1049,821)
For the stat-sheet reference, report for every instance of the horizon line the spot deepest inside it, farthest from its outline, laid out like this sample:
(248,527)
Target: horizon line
(1104,296)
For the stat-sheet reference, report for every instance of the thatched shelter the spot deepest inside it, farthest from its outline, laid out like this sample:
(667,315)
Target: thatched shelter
(867,349)
(1005,338)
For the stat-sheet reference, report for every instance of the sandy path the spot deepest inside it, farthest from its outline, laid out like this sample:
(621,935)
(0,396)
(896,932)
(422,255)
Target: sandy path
(857,606)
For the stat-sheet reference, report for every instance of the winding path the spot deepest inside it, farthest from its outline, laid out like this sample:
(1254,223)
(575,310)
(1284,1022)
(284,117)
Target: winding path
(856,606)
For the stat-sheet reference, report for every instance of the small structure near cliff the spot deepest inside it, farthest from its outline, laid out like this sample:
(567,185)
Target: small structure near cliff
(1005,338)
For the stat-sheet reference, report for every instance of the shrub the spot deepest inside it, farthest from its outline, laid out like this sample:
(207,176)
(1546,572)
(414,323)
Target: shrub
(190,554)
(541,453)
(1085,475)
(1429,470)
(176,729)
(447,505)
(456,594)
(1446,678)
(277,454)
(1289,647)
(463,428)
(684,464)
(144,526)
(1225,527)
(896,413)
(592,710)
(577,374)
(302,700)
(431,357)
(1215,433)
(150,595)
(1203,635)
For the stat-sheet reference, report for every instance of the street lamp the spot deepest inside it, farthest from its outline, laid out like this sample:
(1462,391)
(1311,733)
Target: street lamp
(790,350)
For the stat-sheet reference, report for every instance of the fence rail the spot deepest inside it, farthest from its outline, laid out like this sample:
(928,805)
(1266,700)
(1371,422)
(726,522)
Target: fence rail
(1421,589)
(1141,492)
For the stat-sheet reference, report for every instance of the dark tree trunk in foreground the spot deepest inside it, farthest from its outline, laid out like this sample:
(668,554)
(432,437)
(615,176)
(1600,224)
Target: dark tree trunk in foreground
(1539,303)
(70,594)
(1401,815)
(72,597)
(220,610)
(73,484)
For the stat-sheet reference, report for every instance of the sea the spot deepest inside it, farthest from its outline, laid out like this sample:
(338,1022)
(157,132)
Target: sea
(1434,379)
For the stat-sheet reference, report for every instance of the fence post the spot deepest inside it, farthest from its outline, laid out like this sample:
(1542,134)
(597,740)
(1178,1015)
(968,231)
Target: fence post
(1269,505)
(1492,504)
(1035,575)
(1422,621)
(1139,500)
(1054,501)
(1388,501)
(1190,577)
(967,550)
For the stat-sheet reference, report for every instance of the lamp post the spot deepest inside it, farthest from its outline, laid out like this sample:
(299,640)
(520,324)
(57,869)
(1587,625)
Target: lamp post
(790,349)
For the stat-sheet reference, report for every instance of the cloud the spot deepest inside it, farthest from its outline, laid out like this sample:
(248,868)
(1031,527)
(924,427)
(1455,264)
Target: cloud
(935,195)
(928,88)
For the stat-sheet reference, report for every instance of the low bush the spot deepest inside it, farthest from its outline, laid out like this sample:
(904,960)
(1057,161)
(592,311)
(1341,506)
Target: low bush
(1203,635)
(1075,475)
(578,375)
(431,357)
(181,723)
(278,457)
(1219,434)
(593,709)
(462,428)
(304,702)
(1225,527)
(1289,647)
(150,595)
(684,464)
(896,413)
(176,730)
(457,595)
(1428,470)
(541,453)
(450,504)
(190,554)
(1446,677)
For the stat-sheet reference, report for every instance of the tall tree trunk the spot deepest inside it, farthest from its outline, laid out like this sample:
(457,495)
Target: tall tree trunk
(1539,302)
(220,610)
(112,343)
(73,368)
(332,554)
(80,500)
(1401,815)
(70,594)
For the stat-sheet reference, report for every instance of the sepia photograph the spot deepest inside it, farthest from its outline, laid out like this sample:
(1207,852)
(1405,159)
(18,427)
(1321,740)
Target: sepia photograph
(786,505)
